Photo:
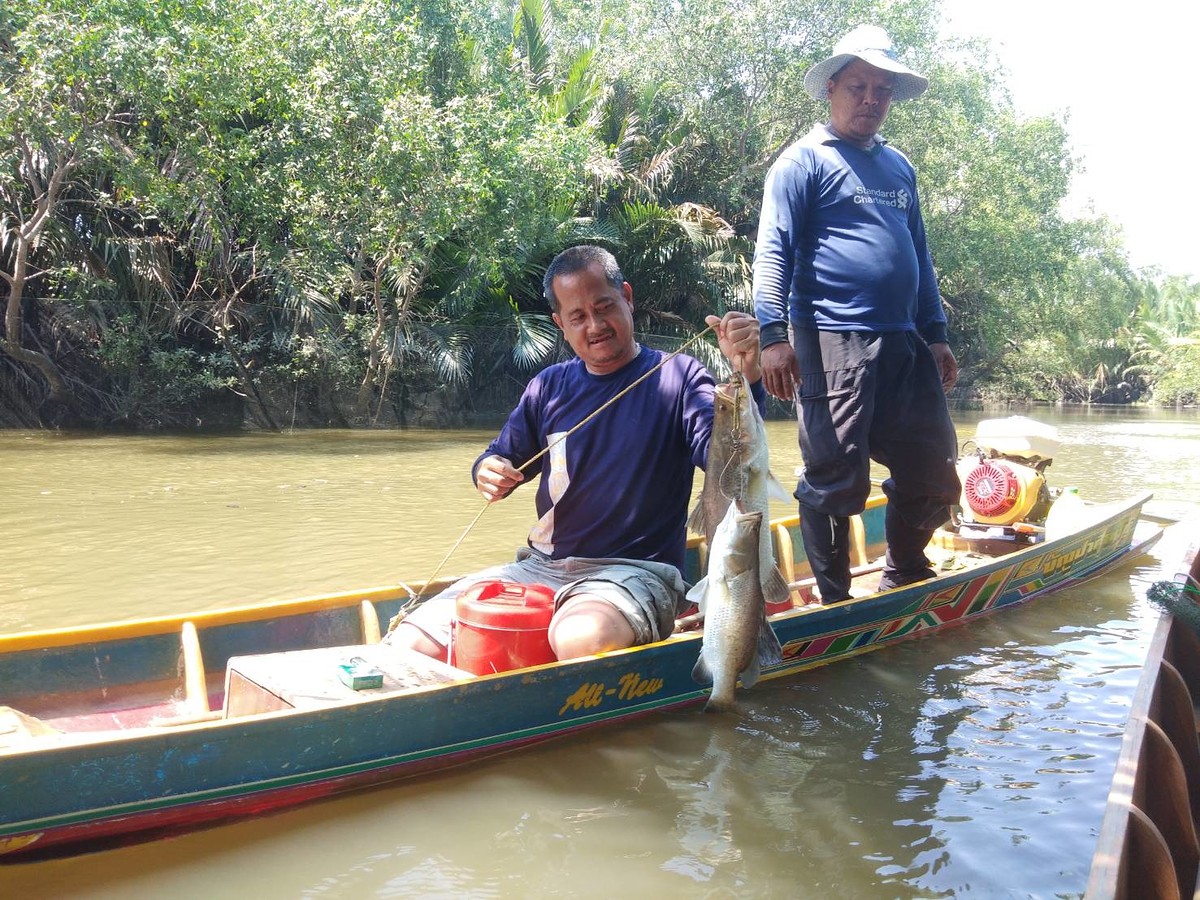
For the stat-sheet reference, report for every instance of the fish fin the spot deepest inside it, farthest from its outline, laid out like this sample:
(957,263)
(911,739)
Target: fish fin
(776,490)
(749,675)
(697,591)
(774,587)
(697,523)
(770,653)
(701,673)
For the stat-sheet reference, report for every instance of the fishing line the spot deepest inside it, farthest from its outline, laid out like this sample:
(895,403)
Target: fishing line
(739,442)
(415,601)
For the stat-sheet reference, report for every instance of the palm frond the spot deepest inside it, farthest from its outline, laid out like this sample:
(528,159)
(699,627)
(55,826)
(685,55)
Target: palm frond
(533,27)
(586,229)
(580,90)
(535,341)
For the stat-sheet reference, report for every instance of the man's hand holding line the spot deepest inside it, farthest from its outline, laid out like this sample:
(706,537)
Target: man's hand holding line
(495,478)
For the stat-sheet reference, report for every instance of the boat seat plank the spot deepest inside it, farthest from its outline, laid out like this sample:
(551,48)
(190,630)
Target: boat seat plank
(186,719)
(785,557)
(194,680)
(858,542)
(310,679)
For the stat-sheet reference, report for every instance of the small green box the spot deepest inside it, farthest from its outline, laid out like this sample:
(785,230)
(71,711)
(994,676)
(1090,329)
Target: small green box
(359,675)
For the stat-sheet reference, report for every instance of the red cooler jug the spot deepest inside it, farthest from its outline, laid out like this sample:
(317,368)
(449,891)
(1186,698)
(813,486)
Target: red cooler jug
(501,625)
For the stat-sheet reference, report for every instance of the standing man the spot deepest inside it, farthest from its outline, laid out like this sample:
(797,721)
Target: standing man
(613,496)
(842,263)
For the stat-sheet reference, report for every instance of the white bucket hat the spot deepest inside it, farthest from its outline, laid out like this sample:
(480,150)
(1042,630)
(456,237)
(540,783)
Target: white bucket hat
(871,44)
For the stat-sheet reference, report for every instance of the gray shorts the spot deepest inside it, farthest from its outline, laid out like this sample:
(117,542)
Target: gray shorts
(648,594)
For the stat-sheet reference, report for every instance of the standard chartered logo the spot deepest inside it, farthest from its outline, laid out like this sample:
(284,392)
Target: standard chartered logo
(899,199)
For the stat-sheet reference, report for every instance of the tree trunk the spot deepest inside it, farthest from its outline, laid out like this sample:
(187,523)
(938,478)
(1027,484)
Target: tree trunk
(246,378)
(12,341)
(362,403)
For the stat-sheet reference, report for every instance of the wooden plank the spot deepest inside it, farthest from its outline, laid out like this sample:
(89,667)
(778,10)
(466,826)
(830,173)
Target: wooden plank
(1148,846)
(1146,870)
(1176,715)
(858,542)
(309,679)
(17,728)
(1115,852)
(370,622)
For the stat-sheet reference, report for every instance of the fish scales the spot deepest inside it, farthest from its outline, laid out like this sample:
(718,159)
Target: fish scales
(738,641)
(738,468)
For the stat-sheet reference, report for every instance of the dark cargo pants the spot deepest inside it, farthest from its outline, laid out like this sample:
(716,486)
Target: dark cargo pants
(866,396)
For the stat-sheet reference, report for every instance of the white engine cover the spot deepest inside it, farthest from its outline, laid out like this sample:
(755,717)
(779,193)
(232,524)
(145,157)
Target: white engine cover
(1017,436)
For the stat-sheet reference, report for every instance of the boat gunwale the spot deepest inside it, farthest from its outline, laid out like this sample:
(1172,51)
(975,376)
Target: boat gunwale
(473,688)
(254,612)
(860,609)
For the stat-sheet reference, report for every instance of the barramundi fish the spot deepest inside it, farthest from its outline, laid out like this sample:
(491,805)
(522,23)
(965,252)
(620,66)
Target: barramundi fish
(738,640)
(738,468)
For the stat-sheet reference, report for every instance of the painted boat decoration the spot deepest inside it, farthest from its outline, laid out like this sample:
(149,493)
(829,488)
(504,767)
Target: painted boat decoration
(1148,846)
(130,731)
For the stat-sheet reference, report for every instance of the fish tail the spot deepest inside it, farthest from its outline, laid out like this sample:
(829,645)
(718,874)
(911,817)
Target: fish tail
(720,701)
(776,490)
(697,522)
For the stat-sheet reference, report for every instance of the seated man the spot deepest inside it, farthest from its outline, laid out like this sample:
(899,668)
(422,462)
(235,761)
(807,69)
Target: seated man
(613,495)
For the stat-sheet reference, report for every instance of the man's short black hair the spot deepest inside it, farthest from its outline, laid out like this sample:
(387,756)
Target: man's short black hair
(576,259)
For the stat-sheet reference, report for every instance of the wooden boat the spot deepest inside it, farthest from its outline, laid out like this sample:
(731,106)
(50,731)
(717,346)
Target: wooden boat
(1148,847)
(141,729)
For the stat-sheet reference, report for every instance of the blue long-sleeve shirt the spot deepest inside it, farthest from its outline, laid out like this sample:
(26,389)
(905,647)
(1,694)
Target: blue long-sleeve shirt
(618,487)
(841,243)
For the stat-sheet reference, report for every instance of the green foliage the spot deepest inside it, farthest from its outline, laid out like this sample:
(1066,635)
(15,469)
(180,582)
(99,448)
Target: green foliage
(1180,384)
(1166,337)
(358,199)
(147,378)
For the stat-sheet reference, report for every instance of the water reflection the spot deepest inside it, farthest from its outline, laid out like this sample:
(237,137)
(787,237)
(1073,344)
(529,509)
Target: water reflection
(973,763)
(101,528)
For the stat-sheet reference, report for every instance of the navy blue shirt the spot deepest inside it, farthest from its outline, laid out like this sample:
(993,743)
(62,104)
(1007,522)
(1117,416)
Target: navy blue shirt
(841,243)
(620,485)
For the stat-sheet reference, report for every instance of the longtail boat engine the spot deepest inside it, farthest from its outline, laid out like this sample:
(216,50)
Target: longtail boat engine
(1003,474)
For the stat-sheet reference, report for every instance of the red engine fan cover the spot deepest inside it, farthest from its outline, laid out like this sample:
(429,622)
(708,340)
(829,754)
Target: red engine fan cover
(991,488)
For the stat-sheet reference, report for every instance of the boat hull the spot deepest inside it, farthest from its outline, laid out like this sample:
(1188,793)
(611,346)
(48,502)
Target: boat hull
(1147,846)
(70,793)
